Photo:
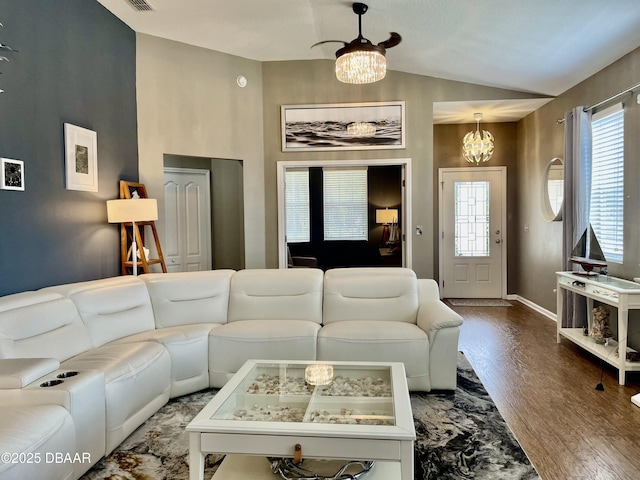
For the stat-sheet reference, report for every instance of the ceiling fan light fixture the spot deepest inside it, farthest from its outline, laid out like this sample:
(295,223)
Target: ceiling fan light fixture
(476,147)
(360,61)
(361,66)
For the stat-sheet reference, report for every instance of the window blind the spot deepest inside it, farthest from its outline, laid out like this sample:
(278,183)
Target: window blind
(345,203)
(298,222)
(607,181)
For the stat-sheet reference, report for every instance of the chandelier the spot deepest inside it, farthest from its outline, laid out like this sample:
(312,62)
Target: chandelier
(477,148)
(361,66)
(361,61)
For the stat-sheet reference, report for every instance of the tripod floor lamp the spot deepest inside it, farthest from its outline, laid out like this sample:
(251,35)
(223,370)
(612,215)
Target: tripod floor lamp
(132,210)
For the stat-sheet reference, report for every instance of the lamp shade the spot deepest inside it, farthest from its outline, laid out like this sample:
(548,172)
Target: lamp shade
(132,210)
(364,65)
(387,215)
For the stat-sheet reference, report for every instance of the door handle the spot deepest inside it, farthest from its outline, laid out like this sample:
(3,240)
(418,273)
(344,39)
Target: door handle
(498,240)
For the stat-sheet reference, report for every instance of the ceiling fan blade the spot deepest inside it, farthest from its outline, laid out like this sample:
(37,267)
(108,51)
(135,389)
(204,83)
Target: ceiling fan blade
(392,41)
(329,41)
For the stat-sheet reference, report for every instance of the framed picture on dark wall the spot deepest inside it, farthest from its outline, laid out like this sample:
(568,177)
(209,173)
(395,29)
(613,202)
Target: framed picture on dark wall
(81,158)
(12,172)
(343,126)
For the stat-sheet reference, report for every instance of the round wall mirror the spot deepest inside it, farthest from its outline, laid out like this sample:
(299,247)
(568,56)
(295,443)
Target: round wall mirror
(553,190)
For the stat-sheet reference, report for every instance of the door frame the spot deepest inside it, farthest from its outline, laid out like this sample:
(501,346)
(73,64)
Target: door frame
(207,174)
(503,227)
(405,163)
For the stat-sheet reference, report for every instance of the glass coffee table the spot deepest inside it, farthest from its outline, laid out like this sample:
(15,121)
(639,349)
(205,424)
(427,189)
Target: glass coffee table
(315,410)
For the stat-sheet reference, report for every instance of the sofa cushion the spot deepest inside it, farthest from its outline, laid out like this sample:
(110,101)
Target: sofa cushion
(188,347)
(113,308)
(270,294)
(189,297)
(41,324)
(372,294)
(376,342)
(231,345)
(136,383)
(36,431)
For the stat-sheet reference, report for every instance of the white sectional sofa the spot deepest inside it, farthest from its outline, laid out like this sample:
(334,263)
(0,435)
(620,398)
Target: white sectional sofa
(83,365)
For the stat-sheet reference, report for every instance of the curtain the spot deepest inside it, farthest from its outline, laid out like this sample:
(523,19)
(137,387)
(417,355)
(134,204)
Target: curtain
(577,194)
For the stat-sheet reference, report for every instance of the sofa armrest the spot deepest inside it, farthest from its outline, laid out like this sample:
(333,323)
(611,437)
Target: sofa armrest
(435,315)
(20,372)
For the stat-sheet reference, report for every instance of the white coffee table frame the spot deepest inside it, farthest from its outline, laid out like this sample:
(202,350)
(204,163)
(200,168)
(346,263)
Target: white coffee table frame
(389,443)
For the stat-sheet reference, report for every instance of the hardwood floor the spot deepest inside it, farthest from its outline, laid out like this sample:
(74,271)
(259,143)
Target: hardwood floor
(546,393)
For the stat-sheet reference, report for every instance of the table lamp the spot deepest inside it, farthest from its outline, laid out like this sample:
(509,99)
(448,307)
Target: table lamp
(386,217)
(132,210)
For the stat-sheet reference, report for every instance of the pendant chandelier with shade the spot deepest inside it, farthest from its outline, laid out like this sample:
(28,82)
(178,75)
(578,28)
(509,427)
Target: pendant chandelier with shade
(477,147)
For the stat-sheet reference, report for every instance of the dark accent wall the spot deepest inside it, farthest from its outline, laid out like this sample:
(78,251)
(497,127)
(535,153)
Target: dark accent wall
(76,64)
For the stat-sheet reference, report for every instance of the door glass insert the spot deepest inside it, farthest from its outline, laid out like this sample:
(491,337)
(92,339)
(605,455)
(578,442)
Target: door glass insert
(472,219)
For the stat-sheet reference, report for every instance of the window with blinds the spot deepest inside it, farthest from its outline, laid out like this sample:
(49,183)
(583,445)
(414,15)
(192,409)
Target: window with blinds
(298,218)
(345,203)
(607,181)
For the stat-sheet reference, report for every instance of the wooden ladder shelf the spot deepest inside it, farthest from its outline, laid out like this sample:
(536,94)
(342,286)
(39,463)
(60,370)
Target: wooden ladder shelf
(127,232)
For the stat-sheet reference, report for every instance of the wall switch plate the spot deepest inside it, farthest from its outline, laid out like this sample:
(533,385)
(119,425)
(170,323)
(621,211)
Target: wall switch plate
(418,229)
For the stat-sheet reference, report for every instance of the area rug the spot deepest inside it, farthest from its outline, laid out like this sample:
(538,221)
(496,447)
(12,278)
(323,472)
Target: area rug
(478,302)
(460,435)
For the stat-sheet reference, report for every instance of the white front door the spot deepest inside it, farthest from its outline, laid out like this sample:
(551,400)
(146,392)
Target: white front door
(187,194)
(472,232)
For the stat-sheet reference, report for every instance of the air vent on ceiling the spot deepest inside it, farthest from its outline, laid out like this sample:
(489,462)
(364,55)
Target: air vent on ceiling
(141,5)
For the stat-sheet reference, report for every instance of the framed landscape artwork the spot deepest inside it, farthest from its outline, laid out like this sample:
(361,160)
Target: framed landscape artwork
(81,158)
(343,126)
(12,172)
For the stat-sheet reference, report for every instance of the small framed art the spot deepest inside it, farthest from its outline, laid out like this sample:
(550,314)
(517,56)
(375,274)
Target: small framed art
(12,174)
(81,158)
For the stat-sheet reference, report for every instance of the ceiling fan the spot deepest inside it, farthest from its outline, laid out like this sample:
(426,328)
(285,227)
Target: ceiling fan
(360,61)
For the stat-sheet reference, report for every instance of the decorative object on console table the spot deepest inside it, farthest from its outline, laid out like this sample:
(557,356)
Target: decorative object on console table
(132,228)
(601,332)
(595,259)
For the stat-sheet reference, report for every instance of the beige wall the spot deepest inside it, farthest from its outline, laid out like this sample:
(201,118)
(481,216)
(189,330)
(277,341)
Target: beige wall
(189,104)
(314,82)
(540,139)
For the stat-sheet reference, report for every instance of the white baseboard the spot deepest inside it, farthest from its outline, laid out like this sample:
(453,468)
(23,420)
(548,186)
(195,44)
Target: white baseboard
(534,306)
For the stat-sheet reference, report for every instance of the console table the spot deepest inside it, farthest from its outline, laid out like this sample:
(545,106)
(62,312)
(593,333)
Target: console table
(616,292)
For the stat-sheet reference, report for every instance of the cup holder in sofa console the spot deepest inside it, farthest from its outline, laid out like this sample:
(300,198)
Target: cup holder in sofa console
(67,374)
(51,383)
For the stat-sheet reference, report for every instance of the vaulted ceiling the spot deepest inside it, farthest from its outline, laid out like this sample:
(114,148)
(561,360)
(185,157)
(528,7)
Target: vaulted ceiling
(535,46)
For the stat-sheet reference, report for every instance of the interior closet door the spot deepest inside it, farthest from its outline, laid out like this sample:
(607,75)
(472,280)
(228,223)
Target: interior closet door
(187,194)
